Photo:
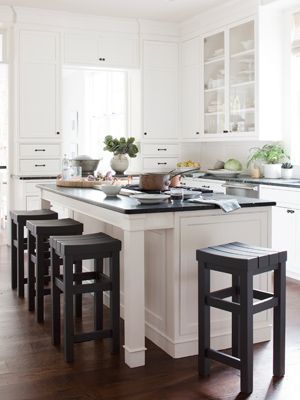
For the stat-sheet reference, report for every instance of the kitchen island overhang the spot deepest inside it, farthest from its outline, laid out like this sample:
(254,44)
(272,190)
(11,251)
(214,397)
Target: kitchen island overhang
(159,264)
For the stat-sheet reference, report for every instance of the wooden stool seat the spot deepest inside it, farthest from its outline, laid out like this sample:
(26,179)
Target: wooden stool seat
(242,261)
(19,243)
(39,232)
(72,250)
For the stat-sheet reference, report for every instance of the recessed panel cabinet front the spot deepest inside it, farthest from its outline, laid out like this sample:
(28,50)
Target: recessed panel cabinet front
(39,85)
(160,90)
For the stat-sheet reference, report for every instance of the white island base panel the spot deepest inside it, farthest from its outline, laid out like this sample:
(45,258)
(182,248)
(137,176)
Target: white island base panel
(160,250)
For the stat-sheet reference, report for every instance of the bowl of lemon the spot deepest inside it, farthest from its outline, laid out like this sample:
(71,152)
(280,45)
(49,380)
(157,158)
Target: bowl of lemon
(184,166)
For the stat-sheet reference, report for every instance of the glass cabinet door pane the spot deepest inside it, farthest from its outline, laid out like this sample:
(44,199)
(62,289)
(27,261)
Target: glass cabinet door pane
(214,83)
(242,78)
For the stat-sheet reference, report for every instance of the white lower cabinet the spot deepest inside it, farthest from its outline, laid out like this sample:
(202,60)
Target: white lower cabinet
(285,224)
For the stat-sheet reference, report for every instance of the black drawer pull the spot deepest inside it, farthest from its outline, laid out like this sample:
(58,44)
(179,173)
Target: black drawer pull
(290,211)
(40,165)
(101,59)
(161,163)
(225,131)
(39,149)
(161,149)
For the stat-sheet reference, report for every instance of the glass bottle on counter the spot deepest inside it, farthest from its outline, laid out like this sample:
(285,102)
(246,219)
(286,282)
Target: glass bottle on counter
(65,167)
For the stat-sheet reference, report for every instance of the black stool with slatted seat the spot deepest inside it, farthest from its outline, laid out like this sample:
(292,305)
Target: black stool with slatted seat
(39,232)
(242,261)
(19,243)
(97,247)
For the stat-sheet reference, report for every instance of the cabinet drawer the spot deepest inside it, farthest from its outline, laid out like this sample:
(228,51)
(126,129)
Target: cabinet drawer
(159,164)
(282,196)
(39,166)
(165,150)
(39,150)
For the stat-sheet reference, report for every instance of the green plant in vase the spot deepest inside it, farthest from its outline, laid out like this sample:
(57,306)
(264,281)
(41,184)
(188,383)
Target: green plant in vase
(122,148)
(271,155)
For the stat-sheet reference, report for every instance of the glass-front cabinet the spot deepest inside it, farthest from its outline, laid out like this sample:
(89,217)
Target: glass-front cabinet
(229,75)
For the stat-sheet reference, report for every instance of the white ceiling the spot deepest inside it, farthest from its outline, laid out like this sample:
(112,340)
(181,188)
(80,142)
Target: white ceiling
(165,10)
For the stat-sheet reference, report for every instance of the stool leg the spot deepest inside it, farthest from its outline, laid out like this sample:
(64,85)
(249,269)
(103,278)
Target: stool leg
(39,278)
(13,255)
(31,278)
(98,298)
(68,310)
(203,319)
(55,293)
(78,297)
(115,301)
(235,322)
(20,258)
(279,321)
(246,336)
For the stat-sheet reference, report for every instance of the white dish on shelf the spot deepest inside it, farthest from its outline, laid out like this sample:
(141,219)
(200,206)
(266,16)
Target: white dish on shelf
(224,173)
(145,198)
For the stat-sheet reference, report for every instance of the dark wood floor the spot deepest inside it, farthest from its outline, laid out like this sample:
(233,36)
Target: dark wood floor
(32,369)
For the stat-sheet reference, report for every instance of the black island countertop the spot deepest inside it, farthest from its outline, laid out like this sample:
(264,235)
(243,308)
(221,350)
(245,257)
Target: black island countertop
(127,205)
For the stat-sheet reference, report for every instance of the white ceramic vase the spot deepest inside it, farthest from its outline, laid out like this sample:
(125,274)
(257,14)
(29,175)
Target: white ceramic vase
(119,163)
(272,171)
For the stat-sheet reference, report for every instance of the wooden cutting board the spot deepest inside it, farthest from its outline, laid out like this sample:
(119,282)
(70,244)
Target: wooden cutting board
(83,183)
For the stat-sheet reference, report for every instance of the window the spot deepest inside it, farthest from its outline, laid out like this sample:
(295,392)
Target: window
(94,106)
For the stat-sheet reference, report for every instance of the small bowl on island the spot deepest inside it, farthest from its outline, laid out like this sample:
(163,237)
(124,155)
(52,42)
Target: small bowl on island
(110,190)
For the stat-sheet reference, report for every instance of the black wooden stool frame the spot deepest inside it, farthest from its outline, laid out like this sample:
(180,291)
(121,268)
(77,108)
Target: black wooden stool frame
(241,306)
(19,244)
(39,263)
(64,284)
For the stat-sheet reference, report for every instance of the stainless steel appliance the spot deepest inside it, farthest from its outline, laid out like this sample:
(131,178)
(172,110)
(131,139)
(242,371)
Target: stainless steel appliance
(242,189)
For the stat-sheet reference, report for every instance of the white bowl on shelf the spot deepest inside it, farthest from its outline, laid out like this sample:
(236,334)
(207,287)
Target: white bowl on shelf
(247,44)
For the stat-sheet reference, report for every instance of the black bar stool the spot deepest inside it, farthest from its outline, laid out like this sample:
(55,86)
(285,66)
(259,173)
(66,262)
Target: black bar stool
(73,249)
(39,257)
(19,243)
(242,262)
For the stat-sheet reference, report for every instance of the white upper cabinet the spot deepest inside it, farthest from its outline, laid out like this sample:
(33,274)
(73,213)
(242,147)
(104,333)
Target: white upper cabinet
(191,88)
(160,90)
(39,78)
(229,87)
(101,50)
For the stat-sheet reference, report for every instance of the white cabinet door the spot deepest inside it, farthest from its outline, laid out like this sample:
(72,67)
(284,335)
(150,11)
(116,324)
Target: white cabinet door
(191,105)
(160,90)
(119,52)
(101,50)
(284,235)
(39,85)
(81,49)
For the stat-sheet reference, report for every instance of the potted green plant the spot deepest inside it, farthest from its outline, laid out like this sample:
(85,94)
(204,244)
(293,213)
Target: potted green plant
(271,155)
(122,148)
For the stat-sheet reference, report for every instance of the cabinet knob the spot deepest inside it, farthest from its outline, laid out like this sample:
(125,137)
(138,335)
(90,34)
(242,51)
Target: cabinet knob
(225,131)
(145,133)
(290,211)
(197,133)
(58,133)
(101,59)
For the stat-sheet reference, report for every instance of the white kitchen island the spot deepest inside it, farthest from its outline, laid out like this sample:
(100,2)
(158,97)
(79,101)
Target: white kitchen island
(158,263)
